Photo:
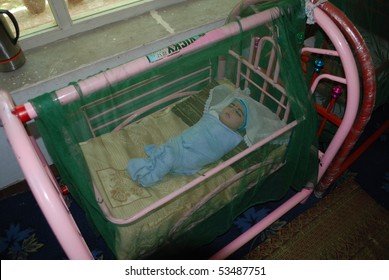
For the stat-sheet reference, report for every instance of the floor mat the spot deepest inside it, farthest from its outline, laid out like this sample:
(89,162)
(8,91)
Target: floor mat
(346,224)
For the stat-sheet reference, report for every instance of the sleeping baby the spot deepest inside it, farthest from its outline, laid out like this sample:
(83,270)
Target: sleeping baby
(226,114)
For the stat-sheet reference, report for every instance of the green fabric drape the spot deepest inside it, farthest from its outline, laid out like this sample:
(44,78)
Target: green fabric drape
(63,127)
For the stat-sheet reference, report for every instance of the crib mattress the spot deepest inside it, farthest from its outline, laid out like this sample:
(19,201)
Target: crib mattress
(107,157)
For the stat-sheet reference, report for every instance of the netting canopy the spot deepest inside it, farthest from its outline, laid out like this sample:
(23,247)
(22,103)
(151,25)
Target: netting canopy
(65,128)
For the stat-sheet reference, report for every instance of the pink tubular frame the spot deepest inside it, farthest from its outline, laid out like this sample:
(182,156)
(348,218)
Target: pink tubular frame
(352,81)
(51,201)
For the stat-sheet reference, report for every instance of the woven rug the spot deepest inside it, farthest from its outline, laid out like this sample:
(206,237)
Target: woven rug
(346,224)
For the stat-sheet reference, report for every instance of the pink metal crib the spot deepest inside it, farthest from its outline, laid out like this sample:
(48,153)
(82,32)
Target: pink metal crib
(44,186)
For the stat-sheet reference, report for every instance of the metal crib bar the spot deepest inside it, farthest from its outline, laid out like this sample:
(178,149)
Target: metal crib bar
(145,94)
(46,194)
(352,79)
(142,64)
(262,225)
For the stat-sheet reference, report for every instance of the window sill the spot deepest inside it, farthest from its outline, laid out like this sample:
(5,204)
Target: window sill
(57,64)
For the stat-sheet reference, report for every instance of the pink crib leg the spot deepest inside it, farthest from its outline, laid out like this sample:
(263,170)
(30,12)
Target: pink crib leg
(49,199)
(262,225)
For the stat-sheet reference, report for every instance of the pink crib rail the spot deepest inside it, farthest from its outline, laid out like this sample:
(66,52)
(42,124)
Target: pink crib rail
(352,82)
(367,102)
(48,197)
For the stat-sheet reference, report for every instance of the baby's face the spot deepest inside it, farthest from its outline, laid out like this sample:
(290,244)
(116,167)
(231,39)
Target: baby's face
(233,115)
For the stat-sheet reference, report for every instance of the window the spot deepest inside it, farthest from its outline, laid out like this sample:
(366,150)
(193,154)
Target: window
(44,21)
(30,15)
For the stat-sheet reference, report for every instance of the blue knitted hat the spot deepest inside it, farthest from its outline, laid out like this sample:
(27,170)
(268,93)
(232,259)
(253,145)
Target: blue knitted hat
(246,111)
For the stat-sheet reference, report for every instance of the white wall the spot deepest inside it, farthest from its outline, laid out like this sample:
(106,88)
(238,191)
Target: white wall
(9,168)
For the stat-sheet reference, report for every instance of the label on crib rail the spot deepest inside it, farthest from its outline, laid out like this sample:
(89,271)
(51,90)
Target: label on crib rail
(172,49)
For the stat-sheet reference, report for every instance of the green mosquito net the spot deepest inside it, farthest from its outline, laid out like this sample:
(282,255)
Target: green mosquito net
(64,127)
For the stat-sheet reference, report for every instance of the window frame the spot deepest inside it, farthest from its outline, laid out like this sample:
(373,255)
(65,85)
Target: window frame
(67,27)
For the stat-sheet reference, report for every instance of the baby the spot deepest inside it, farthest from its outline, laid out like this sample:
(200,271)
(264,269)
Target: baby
(214,135)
